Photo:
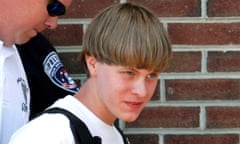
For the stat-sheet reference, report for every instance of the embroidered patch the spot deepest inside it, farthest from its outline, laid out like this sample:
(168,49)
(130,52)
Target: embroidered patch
(57,73)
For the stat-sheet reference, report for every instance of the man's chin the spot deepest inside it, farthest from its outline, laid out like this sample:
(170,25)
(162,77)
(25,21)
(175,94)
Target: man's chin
(131,118)
(23,40)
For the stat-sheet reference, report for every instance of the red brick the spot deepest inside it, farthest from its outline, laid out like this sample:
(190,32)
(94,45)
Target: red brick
(223,8)
(204,33)
(70,62)
(224,61)
(65,35)
(87,8)
(173,8)
(223,117)
(203,89)
(167,117)
(202,139)
(185,62)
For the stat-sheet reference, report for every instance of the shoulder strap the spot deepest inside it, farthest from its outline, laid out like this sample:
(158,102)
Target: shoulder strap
(125,139)
(79,129)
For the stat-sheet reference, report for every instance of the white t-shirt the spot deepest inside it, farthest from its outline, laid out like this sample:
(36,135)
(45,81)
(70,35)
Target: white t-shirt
(14,93)
(55,129)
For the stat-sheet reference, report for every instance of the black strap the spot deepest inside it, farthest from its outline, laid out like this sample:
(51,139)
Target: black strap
(125,139)
(79,129)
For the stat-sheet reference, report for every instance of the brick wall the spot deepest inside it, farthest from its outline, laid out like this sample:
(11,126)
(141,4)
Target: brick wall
(197,100)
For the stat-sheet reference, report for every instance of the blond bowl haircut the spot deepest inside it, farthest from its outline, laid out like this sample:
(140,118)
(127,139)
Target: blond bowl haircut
(127,35)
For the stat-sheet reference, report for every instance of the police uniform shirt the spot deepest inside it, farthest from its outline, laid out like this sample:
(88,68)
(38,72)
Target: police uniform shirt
(14,93)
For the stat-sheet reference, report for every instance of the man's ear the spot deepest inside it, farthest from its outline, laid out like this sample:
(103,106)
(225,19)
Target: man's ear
(91,64)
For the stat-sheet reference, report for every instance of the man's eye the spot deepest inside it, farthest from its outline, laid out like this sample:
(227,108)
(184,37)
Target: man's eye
(153,75)
(130,73)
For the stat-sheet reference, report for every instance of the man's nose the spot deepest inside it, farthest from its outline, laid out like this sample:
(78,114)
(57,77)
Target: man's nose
(140,87)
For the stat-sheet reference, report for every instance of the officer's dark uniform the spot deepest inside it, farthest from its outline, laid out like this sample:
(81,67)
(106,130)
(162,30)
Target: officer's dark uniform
(47,77)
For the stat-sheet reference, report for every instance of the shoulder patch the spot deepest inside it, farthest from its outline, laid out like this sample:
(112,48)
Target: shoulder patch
(55,70)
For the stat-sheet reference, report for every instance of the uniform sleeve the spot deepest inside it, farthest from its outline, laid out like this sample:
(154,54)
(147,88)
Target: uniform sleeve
(48,78)
(46,129)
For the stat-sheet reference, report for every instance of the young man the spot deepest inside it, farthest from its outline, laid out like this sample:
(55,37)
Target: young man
(20,20)
(124,49)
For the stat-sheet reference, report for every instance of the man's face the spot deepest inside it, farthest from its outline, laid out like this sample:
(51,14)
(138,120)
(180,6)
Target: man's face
(122,91)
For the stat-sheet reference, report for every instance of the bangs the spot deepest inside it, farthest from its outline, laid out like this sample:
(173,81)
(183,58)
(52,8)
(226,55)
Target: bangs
(143,48)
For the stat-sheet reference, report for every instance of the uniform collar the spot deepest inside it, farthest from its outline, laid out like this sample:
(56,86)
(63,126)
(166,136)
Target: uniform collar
(1,43)
(7,51)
